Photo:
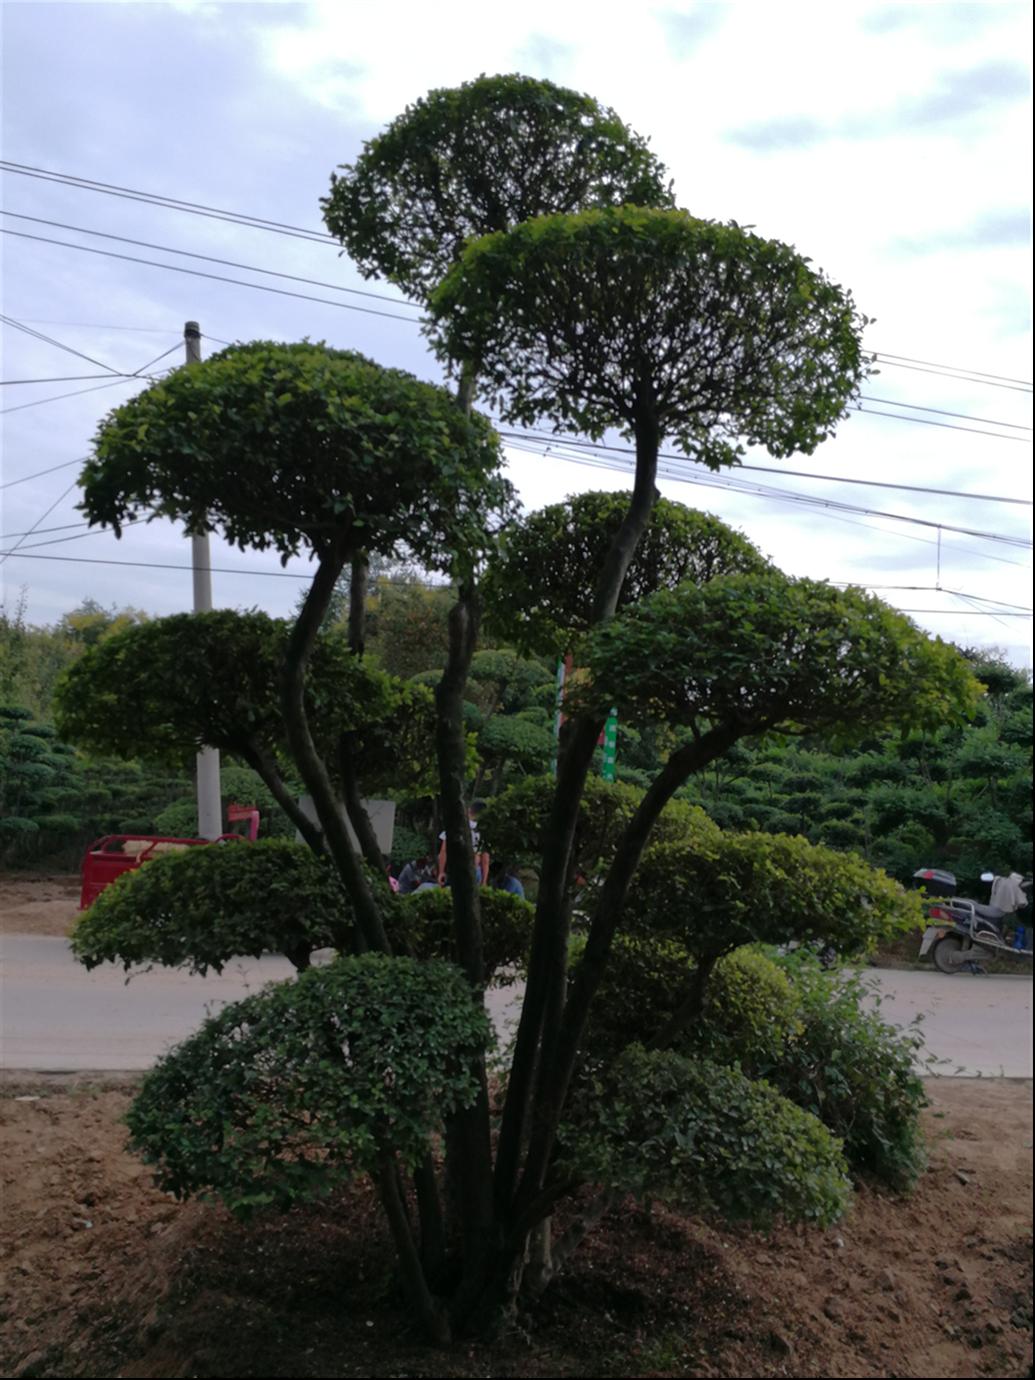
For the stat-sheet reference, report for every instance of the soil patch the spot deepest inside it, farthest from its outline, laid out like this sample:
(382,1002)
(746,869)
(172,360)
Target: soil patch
(104,1275)
(35,903)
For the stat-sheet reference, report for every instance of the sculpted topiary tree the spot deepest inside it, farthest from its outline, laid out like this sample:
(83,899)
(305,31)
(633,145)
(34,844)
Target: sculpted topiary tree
(536,589)
(469,160)
(371,729)
(667,327)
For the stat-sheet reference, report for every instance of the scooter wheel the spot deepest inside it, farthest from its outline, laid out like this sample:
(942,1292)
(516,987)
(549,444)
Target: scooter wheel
(947,954)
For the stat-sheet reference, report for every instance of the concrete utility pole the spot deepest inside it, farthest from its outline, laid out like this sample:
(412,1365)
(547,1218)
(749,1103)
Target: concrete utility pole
(210,804)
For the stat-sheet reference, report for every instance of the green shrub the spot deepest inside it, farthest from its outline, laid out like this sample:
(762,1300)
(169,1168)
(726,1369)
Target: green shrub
(513,824)
(643,984)
(285,1094)
(208,904)
(708,1138)
(716,894)
(423,923)
(855,1072)
(751,1011)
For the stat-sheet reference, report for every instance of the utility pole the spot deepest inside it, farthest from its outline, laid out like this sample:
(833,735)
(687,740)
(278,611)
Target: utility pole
(210,804)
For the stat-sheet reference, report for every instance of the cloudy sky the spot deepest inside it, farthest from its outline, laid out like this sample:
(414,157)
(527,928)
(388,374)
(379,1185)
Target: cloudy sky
(889,142)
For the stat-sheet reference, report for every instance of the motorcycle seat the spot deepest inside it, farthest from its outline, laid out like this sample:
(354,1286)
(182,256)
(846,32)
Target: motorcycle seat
(987,912)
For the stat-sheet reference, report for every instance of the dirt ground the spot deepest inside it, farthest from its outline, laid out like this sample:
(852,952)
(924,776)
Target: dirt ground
(104,1275)
(35,903)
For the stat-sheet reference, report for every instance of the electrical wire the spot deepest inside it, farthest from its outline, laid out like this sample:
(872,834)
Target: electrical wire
(88,184)
(964,416)
(322,283)
(25,478)
(947,426)
(293,575)
(258,222)
(1005,378)
(957,378)
(198,273)
(211,258)
(57,397)
(61,378)
(391,316)
(322,237)
(42,518)
(677,478)
(569,440)
(49,340)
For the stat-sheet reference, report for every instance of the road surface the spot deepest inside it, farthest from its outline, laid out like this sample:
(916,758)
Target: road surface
(56,1016)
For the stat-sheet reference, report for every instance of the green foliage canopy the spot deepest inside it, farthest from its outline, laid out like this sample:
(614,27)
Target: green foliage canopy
(512,825)
(173,684)
(713,335)
(708,1138)
(768,888)
(301,447)
(204,906)
(465,161)
(538,587)
(282,1096)
(423,922)
(761,652)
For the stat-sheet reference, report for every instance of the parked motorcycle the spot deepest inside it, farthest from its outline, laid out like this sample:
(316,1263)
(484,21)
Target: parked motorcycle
(961,930)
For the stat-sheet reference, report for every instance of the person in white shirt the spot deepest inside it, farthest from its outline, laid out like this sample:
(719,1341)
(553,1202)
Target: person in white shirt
(481,858)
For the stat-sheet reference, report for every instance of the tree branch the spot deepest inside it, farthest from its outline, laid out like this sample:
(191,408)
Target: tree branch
(370,926)
(358,602)
(546,986)
(560,1058)
(431,1314)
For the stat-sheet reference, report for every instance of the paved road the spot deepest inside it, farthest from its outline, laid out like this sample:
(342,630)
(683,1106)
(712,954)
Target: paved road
(56,1016)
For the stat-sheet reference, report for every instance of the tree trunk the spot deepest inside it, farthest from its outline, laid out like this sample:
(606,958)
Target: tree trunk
(370,926)
(561,1055)
(546,986)
(358,585)
(468,1143)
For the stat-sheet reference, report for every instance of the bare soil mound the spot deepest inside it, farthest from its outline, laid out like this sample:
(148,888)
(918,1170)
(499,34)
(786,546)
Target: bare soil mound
(104,1275)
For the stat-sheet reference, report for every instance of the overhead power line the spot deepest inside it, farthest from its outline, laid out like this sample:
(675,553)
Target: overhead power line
(57,397)
(42,518)
(197,208)
(198,273)
(293,575)
(212,259)
(25,478)
(58,345)
(392,316)
(977,373)
(61,378)
(563,438)
(946,373)
(322,237)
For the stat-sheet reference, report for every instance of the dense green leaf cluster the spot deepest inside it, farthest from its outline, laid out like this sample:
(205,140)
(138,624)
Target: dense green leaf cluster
(818,1038)
(423,925)
(483,156)
(282,1096)
(204,906)
(513,824)
(710,1139)
(746,888)
(299,448)
(714,336)
(763,652)
(854,1070)
(226,669)
(957,796)
(540,582)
